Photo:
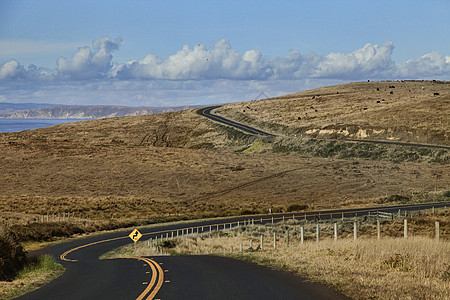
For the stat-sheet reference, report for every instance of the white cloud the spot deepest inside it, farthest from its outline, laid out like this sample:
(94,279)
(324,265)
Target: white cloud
(221,61)
(198,75)
(87,64)
(10,69)
(432,64)
(371,60)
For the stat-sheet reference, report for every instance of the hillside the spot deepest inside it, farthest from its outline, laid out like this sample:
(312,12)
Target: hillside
(412,111)
(141,169)
(37,111)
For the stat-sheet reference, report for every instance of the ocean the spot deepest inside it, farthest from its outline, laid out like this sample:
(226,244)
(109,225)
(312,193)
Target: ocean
(13,125)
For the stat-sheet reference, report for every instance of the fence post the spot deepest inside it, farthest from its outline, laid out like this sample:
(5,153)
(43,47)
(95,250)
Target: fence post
(436,224)
(434,210)
(378,229)
(240,248)
(355,231)
(317,233)
(283,218)
(274,240)
(342,216)
(251,244)
(262,242)
(405,228)
(335,232)
(302,234)
(272,220)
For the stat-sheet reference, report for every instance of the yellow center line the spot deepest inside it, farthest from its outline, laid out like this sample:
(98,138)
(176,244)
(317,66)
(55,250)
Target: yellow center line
(160,279)
(152,281)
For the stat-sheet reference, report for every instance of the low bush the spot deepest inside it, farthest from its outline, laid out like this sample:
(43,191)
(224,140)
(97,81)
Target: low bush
(12,255)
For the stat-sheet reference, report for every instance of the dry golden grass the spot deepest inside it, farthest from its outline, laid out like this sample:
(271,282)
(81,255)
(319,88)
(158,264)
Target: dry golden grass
(356,110)
(390,268)
(179,165)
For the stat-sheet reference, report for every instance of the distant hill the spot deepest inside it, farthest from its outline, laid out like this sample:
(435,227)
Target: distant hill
(49,111)
(9,108)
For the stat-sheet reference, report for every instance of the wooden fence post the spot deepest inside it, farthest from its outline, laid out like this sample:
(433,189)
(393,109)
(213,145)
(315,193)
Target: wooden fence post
(302,234)
(405,228)
(335,232)
(317,233)
(355,231)
(274,240)
(378,229)
(262,242)
(436,224)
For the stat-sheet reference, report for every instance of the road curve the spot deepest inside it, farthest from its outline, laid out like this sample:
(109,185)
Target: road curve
(206,112)
(201,277)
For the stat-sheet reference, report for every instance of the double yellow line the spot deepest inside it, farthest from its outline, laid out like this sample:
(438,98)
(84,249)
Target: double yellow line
(157,274)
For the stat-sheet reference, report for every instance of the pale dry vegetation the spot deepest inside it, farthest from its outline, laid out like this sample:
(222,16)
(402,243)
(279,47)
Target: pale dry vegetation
(389,268)
(147,169)
(399,111)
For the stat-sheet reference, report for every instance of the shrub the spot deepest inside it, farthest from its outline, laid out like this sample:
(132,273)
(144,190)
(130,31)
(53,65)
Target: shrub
(296,207)
(12,256)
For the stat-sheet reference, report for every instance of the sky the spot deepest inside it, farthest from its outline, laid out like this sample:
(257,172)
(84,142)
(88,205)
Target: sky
(169,53)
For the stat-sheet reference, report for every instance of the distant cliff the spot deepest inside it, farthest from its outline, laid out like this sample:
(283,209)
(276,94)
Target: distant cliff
(85,112)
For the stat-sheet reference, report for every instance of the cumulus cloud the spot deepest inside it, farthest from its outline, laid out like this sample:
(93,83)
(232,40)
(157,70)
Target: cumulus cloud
(432,64)
(88,64)
(371,60)
(221,61)
(10,69)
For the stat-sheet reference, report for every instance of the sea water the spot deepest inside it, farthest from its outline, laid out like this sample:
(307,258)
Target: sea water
(13,125)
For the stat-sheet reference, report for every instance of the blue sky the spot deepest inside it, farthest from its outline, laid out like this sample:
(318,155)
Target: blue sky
(158,53)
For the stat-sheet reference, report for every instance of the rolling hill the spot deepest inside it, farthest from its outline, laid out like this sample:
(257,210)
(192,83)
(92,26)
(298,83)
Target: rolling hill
(142,169)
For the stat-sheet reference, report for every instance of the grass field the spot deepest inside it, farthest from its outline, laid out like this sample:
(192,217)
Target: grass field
(137,170)
(368,268)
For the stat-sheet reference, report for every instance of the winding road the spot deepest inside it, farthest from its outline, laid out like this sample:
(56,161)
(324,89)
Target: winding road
(207,112)
(187,277)
(183,277)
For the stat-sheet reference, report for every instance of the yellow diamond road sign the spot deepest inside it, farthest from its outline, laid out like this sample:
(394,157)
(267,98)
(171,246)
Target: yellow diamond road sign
(135,235)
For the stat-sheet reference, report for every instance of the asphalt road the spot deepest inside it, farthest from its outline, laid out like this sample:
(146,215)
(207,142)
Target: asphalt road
(206,112)
(200,277)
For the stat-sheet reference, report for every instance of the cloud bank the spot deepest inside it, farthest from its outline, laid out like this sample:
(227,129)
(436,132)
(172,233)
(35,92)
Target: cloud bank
(197,74)
(221,61)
